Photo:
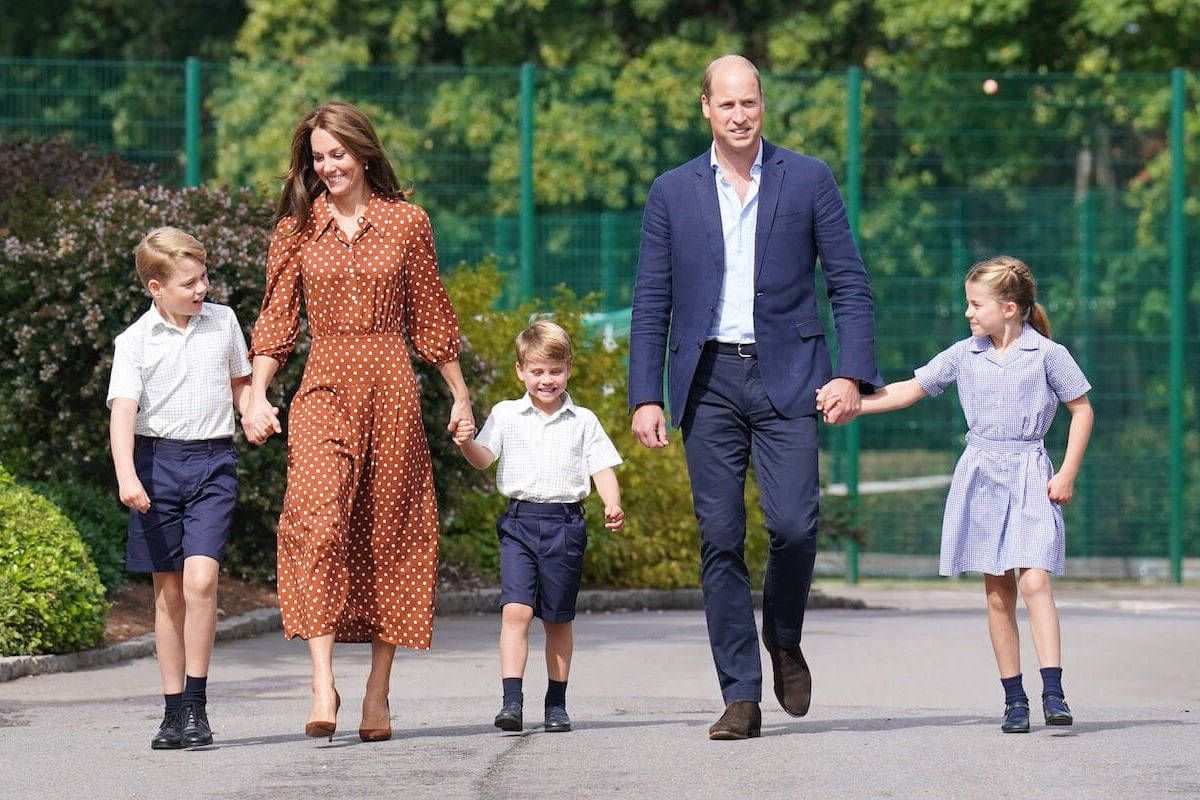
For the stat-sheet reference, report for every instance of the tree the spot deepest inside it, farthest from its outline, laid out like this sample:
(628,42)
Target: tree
(121,29)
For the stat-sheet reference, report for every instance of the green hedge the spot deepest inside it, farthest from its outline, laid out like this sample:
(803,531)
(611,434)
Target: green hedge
(102,523)
(51,597)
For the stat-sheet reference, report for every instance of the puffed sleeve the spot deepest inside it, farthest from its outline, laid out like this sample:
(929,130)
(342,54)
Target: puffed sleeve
(942,370)
(429,318)
(278,321)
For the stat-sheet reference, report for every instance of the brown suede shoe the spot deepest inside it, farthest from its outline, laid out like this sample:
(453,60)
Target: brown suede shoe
(741,720)
(793,681)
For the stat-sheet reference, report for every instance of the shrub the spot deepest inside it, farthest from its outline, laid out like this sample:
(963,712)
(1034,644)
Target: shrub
(102,523)
(38,172)
(51,598)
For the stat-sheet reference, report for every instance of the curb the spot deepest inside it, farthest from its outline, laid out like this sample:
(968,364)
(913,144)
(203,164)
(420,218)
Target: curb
(479,601)
(251,623)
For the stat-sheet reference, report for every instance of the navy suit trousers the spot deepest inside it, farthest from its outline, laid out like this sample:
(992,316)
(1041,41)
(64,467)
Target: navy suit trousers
(729,424)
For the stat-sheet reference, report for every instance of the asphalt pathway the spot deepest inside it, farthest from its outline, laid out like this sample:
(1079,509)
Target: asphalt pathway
(906,705)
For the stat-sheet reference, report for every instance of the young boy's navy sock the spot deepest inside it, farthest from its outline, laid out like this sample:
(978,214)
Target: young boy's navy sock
(1052,681)
(556,694)
(512,690)
(1013,690)
(195,690)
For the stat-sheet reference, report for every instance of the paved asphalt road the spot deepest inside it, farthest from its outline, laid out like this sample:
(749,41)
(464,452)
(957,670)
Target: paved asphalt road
(906,705)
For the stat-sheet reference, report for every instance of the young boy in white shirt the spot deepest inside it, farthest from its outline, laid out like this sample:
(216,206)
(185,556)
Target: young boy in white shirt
(177,373)
(548,448)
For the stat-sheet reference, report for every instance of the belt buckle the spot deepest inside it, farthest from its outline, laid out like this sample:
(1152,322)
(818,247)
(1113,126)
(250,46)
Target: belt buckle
(741,354)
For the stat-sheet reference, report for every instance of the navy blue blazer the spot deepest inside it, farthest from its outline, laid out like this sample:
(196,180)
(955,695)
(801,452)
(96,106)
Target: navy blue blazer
(681,266)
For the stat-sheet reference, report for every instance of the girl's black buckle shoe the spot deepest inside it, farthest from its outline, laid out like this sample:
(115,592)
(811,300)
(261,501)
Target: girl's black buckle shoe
(1056,710)
(1016,717)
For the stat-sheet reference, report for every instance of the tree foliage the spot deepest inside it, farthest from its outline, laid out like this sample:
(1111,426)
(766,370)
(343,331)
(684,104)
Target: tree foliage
(120,29)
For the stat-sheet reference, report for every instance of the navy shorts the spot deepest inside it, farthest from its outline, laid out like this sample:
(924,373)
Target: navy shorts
(541,557)
(193,491)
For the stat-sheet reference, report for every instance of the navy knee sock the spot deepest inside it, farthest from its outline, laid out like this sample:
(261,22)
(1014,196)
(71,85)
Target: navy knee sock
(195,690)
(556,694)
(1052,681)
(512,690)
(1013,690)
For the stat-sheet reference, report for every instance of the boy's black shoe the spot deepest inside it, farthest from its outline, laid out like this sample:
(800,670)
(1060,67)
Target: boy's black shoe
(195,732)
(170,733)
(557,720)
(509,718)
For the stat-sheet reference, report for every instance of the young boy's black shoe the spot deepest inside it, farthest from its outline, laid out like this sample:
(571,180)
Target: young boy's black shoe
(509,718)
(170,733)
(196,731)
(557,720)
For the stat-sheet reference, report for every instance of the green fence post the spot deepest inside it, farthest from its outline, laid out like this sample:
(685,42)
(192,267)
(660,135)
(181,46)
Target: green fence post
(528,229)
(191,121)
(1178,317)
(1087,263)
(853,203)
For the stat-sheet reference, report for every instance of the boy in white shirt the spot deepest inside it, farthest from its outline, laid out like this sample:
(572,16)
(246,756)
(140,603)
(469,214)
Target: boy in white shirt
(177,373)
(547,448)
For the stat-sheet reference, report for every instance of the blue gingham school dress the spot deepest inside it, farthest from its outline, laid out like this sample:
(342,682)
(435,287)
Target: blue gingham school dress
(998,513)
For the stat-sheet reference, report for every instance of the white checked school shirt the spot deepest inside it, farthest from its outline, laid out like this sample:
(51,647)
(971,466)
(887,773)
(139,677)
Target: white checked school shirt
(546,459)
(181,379)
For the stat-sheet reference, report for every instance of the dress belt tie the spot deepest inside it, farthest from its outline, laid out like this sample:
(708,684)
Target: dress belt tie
(1005,445)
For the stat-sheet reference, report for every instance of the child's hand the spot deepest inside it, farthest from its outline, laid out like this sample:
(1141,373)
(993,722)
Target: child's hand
(464,431)
(825,402)
(462,422)
(261,423)
(1061,489)
(133,495)
(614,518)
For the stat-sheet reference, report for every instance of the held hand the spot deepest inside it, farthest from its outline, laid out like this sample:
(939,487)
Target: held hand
(650,425)
(839,401)
(460,413)
(464,433)
(133,495)
(614,518)
(261,422)
(1061,489)
(825,401)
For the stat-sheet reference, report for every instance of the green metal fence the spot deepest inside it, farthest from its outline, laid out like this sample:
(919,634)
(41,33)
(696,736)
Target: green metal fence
(1086,179)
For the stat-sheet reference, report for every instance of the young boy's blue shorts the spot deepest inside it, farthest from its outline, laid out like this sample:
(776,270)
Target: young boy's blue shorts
(193,491)
(541,557)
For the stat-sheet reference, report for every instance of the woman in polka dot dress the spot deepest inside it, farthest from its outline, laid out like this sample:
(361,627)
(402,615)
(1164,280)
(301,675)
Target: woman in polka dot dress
(358,531)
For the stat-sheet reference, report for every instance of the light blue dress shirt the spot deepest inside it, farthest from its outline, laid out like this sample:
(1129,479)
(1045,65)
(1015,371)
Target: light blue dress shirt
(734,321)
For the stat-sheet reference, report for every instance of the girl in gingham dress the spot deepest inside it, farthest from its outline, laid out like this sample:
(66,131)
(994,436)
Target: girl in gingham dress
(1004,511)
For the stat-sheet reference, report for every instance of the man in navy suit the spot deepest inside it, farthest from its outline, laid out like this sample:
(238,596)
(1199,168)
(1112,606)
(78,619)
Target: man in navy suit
(725,297)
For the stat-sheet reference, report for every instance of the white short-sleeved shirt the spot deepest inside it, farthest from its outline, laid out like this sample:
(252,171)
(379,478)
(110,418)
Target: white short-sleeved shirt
(546,459)
(181,379)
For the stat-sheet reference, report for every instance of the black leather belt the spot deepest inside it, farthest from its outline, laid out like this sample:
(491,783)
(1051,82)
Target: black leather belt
(743,350)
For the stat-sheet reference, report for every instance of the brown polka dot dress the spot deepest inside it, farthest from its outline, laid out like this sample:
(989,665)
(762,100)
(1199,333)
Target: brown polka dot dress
(358,533)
